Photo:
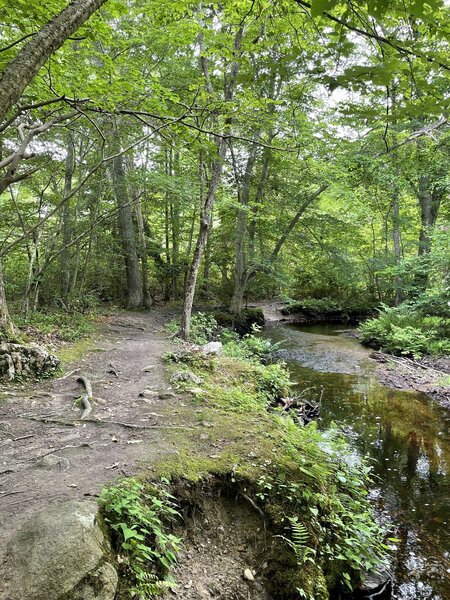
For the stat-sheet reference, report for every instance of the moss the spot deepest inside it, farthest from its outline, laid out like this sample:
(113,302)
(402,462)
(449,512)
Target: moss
(76,351)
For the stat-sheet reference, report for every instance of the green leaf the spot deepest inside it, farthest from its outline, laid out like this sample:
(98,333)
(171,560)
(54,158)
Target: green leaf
(320,6)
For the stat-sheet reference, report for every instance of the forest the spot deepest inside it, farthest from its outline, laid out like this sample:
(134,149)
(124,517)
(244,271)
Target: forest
(200,167)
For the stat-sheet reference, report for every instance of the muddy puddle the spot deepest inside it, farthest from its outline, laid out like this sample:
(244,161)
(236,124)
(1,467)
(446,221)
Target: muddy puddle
(404,434)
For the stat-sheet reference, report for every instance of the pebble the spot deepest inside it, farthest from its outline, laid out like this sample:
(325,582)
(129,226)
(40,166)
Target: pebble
(248,575)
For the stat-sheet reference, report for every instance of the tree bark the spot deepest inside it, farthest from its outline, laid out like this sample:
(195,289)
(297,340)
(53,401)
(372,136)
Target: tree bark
(205,223)
(240,269)
(126,228)
(7,328)
(397,245)
(66,224)
(25,66)
(208,206)
(142,251)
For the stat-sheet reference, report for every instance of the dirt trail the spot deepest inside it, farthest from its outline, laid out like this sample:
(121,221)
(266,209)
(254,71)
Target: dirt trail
(44,463)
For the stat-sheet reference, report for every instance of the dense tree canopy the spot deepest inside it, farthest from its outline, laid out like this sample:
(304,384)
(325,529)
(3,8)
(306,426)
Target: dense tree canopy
(156,150)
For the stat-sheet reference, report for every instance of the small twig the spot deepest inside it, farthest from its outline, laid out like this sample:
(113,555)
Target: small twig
(4,494)
(23,437)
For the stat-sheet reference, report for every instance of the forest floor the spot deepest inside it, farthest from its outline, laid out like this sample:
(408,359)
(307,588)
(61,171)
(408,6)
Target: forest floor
(48,455)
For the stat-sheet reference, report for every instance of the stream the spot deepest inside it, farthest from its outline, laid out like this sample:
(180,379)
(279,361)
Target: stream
(405,435)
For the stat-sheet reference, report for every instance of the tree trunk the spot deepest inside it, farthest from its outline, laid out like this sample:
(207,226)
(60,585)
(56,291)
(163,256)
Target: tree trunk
(142,251)
(208,206)
(429,200)
(397,245)
(66,225)
(240,269)
(7,329)
(205,223)
(126,229)
(25,66)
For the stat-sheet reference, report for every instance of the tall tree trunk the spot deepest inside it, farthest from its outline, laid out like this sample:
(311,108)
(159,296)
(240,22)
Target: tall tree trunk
(66,224)
(142,251)
(175,227)
(32,272)
(126,228)
(205,223)
(7,328)
(429,200)
(397,245)
(22,69)
(240,269)
(208,206)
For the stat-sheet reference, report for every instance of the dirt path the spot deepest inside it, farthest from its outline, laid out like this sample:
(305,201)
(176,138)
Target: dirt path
(47,462)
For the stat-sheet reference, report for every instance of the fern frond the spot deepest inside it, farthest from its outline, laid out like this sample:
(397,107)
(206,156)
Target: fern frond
(300,535)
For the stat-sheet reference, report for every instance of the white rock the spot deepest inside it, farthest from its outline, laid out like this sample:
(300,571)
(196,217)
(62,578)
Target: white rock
(248,575)
(212,348)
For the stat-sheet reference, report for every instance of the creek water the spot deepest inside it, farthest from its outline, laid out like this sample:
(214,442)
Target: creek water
(406,436)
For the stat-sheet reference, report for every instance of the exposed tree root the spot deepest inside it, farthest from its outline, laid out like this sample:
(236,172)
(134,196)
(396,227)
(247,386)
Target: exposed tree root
(86,398)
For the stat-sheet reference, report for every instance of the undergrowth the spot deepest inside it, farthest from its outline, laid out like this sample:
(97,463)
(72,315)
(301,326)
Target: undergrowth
(309,483)
(408,330)
(62,326)
(139,515)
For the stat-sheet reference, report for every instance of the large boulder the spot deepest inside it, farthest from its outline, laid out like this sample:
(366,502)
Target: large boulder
(25,361)
(61,553)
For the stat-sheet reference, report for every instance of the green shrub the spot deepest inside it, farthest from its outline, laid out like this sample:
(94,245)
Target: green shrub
(138,515)
(405,330)
(321,484)
(251,346)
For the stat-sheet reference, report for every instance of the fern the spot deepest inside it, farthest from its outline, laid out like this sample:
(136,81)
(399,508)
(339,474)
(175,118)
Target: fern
(300,536)
(298,541)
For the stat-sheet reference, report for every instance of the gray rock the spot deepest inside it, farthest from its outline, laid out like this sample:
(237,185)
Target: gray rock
(51,461)
(185,376)
(61,552)
(212,348)
(30,360)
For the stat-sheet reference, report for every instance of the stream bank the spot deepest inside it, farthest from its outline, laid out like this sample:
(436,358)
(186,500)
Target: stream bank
(405,435)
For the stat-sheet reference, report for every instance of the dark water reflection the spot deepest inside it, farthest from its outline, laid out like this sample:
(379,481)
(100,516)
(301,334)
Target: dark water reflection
(406,435)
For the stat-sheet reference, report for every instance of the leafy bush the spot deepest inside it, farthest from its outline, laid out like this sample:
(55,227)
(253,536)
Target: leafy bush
(327,308)
(204,328)
(251,346)
(138,514)
(405,330)
(273,381)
